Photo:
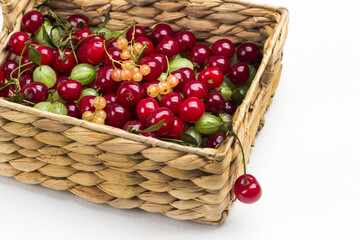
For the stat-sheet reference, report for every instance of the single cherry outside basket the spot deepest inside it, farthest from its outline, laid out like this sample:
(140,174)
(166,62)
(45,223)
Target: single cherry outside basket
(108,165)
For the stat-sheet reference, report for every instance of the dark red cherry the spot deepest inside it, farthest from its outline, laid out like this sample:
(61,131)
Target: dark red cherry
(174,132)
(8,91)
(191,109)
(8,67)
(159,114)
(117,114)
(2,78)
(82,36)
(195,89)
(134,124)
(111,98)
(111,43)
(63,63)
(214,103)
(139,32)
(86,103)
(182,80)
(114,54)
(248,53)
(160,32)
(76,19)
(172,101)
(29,64)
(230,107)
(94,52)
(32,21)
(60,80)
(239,73)
(25,79)
(150,46)
(190,74)
(247,192)
(144,107)
(186,40)
(73,110)
(155,66)
(199,55)
(161,58)
(47,55)
(104,80)
(70,90)
(149,134)
(212,77)
(168,47)
(215,139)
(130,93)
(223,47)
(220,62)
(35,92)
(17,43)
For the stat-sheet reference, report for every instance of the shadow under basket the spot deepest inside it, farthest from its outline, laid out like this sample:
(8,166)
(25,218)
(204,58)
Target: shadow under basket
(107,165)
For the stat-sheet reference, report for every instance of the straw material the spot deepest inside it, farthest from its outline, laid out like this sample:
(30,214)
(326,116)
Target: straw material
(108,165)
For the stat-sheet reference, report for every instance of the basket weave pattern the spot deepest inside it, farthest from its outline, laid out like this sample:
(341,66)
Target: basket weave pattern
(107,165)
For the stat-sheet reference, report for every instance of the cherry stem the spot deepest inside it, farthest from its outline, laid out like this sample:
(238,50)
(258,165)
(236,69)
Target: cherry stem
(243,156)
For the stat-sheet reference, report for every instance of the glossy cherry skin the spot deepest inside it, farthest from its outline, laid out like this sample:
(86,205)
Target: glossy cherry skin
(130,93)
(70,90)
(182,80)
(212,77)
(25,79)
(27,68)
(86,103)
(190,74)
(215,139)
(62,65)
(8,91)
(220,62)
(60,80)
(17,42)
(35,92)
(160,32)
(81,34)
(199,54)
(2,78)
(191,109)
(144,107)
(134,124)
(76,19)
(150,46)
(247,193)
(223,47)
(172,101)
(111,98)
(115,55)
(139,32)
(94,52)
(104,80)
(155,66)
(32,21)
(195,89)
(230,107)
(214,103)
(161,58)
(186,40)
(117,115)
(111,43)
(47,55)
(248,53)
(174,132)
(239,73)
(8,67)
(168,47)
(159,114)
(73,110)
(149,134)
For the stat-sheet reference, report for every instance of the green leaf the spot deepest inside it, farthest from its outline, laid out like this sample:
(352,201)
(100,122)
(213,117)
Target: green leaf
(47,38)
(134,131)
(106,20)
(5,85)
(35,56)
(188,139)
(155,127)
(174,141)
(17,98)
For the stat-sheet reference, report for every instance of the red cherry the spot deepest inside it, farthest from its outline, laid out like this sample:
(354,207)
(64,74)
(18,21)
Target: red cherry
(220,62)
(174,132)
(223,47)
(111,98)
(36,45)
(248,53)
(214,103)
(62,64)
(155,66)
(199,54)
(2,78)
(191,109)
(70,90)
(94,51)
(35,92)
(195,89)
(8,91)
(159,114)
(80,36)
(117,114)
(247,192)
(32,21)
(47,55)
(190,74)
(115,55)
(160,32)
(139,32)
(8,67)
(183,79)
(76,19)
(30,64)
(212,77)
(146,106)
(25,79)
(17,42)
(149,134)
(215,139)
(86,103)
(104,80)
(73,110)
(172,101)
(239,73)
(150,46)
(111,43)
(134,124)
(60,80)
(168,47)
(161,58)
(130,93)
(230,107)
(186,40)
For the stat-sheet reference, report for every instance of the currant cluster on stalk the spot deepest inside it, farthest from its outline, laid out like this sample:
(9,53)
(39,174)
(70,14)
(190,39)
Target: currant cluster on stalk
(99,115)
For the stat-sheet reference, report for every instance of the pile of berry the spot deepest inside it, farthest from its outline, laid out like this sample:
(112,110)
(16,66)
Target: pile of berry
(163,85)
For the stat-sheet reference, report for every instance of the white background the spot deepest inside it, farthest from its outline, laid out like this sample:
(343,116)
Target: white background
(306,158)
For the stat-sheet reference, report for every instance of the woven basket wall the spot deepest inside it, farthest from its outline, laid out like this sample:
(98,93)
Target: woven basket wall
(107,165)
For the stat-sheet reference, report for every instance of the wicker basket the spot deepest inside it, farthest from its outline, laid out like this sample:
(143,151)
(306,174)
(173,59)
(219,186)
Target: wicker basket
(108,165)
